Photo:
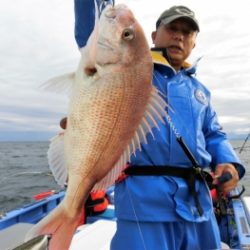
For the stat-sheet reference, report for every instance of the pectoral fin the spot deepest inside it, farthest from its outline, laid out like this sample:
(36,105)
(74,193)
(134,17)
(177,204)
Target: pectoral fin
(56,159)
(60,84)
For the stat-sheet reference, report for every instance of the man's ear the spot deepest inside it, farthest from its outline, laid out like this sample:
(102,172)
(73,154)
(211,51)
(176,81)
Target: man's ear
(153,35)
(194,45)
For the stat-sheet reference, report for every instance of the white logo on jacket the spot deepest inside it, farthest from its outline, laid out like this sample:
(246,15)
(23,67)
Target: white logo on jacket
(201,97)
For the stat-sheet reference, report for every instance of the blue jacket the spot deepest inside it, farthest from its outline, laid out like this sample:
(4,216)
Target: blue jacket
(164,198)
(167,198)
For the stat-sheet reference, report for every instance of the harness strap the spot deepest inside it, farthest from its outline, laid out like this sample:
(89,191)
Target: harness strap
(189,174)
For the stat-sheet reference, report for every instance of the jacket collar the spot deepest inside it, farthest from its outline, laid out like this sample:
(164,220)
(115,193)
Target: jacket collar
(159,59)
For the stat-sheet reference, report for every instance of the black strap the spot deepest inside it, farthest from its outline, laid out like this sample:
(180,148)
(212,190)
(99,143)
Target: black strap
(169,170)
(187,151)
(162,170)
(189,174)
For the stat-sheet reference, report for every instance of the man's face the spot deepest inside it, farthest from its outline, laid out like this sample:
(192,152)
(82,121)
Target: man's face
(178,37)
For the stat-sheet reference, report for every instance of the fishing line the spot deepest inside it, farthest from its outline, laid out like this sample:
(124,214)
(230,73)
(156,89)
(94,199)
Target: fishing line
(136,218)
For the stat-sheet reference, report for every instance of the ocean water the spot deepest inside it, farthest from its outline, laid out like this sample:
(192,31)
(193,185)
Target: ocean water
(24,172)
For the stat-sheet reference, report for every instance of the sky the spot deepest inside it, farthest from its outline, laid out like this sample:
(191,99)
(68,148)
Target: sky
(37,43)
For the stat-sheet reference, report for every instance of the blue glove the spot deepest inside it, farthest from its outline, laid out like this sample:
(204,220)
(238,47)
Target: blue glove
(85,18)
(104,3)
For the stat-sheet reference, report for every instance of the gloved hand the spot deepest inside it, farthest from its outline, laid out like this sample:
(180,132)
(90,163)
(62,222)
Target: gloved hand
(226,168)
(104,3)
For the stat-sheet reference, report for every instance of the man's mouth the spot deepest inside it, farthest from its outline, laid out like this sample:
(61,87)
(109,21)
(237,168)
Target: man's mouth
(174,49)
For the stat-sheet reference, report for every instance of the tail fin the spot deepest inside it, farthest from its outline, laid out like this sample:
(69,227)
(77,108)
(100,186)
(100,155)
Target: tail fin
(60,225)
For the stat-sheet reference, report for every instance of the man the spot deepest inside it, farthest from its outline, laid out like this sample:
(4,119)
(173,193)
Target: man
(172,210)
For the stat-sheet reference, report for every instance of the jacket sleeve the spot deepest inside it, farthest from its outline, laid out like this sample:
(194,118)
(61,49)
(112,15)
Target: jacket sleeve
(84,20)
(218,145)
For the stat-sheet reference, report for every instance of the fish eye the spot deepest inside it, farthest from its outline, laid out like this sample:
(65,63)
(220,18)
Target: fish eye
(128,34)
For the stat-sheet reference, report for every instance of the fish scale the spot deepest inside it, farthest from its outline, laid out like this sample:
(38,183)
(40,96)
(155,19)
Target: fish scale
(108,123)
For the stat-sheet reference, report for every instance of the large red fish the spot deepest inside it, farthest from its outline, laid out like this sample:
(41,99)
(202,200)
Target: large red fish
(113,106)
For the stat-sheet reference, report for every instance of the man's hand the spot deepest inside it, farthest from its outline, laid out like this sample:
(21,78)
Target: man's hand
(226,168)
(63,123)
(104,3)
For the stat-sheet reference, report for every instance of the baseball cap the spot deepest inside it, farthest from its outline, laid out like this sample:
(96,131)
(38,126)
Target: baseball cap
(177,12)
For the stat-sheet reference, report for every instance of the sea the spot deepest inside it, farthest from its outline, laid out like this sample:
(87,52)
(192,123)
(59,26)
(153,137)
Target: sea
(24,172)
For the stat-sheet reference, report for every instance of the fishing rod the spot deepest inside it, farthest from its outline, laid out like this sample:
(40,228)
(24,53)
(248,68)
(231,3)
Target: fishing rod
(244,143)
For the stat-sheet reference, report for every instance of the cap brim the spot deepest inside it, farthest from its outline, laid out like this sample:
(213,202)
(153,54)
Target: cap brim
(172,18)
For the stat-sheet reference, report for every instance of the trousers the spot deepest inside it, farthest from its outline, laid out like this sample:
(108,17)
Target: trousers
(178,235)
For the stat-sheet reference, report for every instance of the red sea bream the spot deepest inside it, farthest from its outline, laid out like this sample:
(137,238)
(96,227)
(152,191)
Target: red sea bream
(113,105)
